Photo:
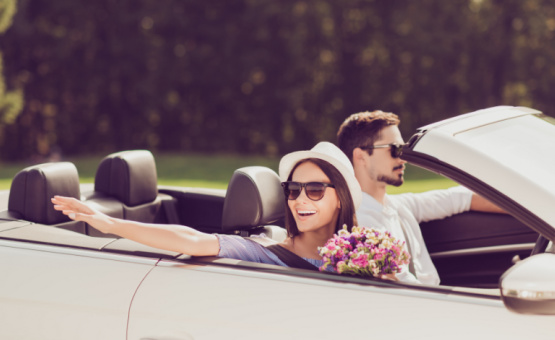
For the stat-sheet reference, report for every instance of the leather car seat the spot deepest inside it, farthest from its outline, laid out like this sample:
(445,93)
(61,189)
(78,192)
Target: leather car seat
(254,203)
(130,178)
(33,187)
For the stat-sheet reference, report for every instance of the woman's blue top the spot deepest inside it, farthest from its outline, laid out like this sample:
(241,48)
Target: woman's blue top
(239,248)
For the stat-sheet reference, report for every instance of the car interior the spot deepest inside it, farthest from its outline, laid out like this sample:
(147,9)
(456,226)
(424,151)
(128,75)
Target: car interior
(469,250)
(126,187)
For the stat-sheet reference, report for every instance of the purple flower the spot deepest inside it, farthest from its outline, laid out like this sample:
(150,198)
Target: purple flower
(363,251)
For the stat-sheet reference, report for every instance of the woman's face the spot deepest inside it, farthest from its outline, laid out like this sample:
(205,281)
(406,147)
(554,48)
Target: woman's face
(314,216)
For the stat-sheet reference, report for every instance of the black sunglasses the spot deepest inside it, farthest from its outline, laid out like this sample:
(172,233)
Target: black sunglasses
(314,190)
(396,148)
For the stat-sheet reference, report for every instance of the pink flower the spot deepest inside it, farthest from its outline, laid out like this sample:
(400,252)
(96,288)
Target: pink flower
(364,251)
(361,260)
(341,266)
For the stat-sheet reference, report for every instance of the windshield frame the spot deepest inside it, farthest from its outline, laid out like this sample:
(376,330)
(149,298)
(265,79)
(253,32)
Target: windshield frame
(444,149)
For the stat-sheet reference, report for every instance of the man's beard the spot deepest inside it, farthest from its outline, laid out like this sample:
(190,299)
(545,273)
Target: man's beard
(391,180)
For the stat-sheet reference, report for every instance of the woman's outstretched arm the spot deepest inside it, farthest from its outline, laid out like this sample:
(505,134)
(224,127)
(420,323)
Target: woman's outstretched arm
(175,238)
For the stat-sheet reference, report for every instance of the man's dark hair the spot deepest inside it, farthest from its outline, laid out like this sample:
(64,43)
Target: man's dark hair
(363,129)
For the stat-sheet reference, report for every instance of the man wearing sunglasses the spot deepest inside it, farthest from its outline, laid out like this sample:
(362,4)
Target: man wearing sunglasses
(374,144)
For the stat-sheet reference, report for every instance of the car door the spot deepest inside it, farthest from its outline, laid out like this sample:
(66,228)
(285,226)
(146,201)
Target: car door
(224,299)
(52,292)
(474,248)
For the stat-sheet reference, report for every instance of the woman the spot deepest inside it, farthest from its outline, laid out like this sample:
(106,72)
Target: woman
(322,195)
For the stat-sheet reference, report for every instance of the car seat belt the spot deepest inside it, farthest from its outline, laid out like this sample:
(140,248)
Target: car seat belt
(289,258)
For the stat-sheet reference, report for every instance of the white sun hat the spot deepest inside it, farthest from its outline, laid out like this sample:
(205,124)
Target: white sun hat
(330,153)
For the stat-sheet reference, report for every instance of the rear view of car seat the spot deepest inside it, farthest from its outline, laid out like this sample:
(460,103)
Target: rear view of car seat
(33,187)
(254,203)
(130,178)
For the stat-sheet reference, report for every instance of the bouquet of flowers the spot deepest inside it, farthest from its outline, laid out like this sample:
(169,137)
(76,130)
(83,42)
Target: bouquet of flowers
(363,252)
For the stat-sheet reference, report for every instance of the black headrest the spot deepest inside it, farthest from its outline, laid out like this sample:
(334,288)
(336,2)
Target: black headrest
(129,176)
(33,187)
(254,197)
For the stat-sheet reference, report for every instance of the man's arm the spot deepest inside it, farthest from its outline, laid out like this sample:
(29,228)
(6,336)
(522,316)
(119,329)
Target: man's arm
(478,203)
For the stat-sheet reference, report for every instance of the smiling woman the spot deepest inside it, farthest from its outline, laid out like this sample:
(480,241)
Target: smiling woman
(313,219)
(315,215)
(316,194)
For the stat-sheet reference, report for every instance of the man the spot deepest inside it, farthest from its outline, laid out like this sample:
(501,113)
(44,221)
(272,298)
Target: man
(373,143)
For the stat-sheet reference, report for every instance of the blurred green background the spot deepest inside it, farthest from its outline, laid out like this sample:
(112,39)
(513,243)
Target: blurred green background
(209,86)
(256,77)
(215,171)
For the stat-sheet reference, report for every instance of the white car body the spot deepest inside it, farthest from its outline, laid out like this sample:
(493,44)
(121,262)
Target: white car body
(64,284)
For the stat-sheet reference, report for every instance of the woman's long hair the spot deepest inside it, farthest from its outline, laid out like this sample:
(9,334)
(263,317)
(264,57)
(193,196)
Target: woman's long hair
(347,212)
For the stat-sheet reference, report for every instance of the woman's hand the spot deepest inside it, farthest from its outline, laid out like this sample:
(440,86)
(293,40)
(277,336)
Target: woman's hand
(175,238)
(79,211)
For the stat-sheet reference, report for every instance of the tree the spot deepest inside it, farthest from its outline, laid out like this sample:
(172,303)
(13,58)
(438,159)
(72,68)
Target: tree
(11,102)
(257,76)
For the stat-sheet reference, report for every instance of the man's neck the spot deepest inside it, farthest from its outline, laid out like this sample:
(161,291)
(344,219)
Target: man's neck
(368,185)
(376,190)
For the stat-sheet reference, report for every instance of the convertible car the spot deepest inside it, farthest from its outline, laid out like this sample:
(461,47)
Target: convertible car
(63,279)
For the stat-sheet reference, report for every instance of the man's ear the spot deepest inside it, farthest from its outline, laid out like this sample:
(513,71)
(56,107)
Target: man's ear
(358,154)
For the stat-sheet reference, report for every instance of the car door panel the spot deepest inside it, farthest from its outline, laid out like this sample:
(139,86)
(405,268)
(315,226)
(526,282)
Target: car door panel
(474,248)
(478,267)
(184,301)
(63,293)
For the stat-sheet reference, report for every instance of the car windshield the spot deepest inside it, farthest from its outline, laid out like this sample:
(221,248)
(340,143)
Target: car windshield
(524,144)
(509,150)
(512,154)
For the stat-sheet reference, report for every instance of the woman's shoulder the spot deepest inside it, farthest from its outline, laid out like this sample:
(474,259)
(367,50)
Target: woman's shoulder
(287,244)
(241,248)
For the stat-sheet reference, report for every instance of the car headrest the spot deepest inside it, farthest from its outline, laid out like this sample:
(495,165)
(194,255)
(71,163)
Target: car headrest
(254,197)
(33,187)
(129,176)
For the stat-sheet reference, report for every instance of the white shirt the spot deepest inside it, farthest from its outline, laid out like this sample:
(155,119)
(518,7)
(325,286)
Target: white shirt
(401,215)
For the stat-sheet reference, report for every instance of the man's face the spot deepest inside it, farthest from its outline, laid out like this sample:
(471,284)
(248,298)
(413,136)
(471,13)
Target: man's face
(382,166)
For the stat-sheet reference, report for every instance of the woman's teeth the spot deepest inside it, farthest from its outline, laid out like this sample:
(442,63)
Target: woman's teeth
(306,212)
